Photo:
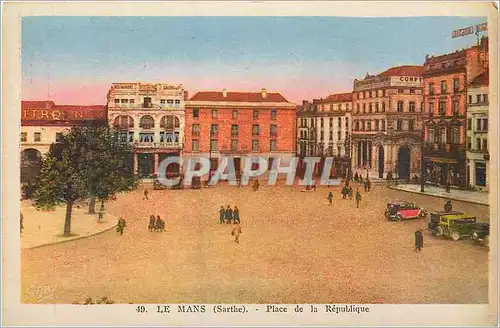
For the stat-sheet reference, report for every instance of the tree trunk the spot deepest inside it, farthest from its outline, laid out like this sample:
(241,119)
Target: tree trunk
(67,221)
(92,205)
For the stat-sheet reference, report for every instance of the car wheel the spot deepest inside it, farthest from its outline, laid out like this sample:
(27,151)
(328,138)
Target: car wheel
(399,217)
(439,231)
(455,235)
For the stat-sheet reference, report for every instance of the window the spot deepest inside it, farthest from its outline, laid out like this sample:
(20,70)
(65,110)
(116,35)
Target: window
(455,136)
(196,113)
(195,145)
(235,114)
(234,144)
(357,108)
(478,124)
(214,129)
(255,130)
(478,143)
(214,113)
(371,107)
(347,123)
(456,85)
(469,143)
(412,90)
(399,125)
(363,125)
(376,107)
(117,101)
(321,122)
(478,97)
(383,93)
(369,125)
(400,106)
(356,125)
(470,99)
(374,94)
(383,107)
(485,144)
(443,86)
(24,136)
(195,128)
(322,135)
(132,101)
(485,98)
(454,106)
(469,124)
(38,136)
(273,114)
(177,101)
(383,125)
(422,107)
(58,137)
(331,107)
(443,135)
(234,130)
(412,107)
(431,88)
(431,108)
(338,135)
(411,125)
(255,145)
(364,108)
(147,102)
(376,125)
(400,90)
(431,135)
(339,121)
(485,124)
(124,101)
(331,121)
(214,145)
(331,135)
(162,101)
(442,108)
(255,114)
(273,130)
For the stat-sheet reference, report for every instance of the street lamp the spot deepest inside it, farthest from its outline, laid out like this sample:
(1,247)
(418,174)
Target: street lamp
(422,168)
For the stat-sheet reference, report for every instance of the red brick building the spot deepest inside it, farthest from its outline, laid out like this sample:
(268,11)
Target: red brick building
(239,124)
(445,96)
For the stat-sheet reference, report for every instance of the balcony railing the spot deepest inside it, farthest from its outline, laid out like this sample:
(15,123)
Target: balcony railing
(139,144)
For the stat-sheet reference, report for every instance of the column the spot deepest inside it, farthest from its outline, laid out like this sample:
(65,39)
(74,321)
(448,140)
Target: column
(156,157)
(370,154)
(472,173)
(136,164)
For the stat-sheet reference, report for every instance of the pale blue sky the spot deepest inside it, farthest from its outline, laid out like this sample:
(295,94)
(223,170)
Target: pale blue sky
(302,57)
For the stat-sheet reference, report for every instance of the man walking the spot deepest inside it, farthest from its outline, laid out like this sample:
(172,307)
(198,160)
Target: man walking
(236,233)
(222,214)
(229,214)
(419,240)
(330,197)
(358,198)
(151,225)
(236,214)
(447,206)
(368,184)
(146,193)
(121,225)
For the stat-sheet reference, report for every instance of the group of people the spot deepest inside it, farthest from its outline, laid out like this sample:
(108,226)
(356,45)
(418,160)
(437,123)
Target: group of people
(229,215)
(156,223)
(346,191)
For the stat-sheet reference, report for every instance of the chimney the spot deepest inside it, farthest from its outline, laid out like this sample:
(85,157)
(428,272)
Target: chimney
(224,93)
(263,92)
(186,95)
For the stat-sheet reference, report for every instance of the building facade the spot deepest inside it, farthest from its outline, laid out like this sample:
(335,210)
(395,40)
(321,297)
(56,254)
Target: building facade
(446,78)
(324,130)
(387,123)
(151,117)
(240,124)
(42,122)
(477,132)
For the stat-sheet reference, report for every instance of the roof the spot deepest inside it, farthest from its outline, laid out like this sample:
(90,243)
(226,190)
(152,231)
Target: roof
(340,97)
(482,79)
(48,104)
(48,113)
(238,97)
(407,70)
(453,55)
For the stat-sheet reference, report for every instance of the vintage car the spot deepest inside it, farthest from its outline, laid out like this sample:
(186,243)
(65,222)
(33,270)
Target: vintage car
(456,226)
(481,233)
(434,218)
(397,211)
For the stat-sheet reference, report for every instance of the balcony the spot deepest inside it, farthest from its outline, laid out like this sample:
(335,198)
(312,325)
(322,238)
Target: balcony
(156,145)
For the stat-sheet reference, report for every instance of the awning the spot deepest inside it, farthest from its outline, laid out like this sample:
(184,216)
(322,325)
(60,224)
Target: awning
(443,160)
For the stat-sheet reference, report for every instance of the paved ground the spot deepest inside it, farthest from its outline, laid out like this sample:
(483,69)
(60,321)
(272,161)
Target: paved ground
(46,227)
(294,249)
(478,197)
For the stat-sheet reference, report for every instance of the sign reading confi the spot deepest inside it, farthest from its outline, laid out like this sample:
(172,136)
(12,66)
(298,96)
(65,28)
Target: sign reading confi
(61,115)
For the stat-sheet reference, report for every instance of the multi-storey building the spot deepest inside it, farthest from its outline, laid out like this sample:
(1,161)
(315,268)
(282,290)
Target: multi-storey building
(445,86)
(477,132)
(42,123)
(324,130)
(240,124)
(150,116)
(387,123)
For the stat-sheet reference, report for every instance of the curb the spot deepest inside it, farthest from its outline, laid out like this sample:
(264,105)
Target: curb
(444,197)
(68,240)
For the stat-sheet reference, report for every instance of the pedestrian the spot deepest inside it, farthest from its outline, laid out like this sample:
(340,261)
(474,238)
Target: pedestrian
(350,193)
(146,192)
(21,221)
(228,214)
(358,198)
(448,207)
(236,232)
(236,214)
(356,177)
(344,192)
(161,224)
(158,223)
(368,184)
(222,214)
(151,225)
(330,197)
(256,185)
(419,240)
(120,227)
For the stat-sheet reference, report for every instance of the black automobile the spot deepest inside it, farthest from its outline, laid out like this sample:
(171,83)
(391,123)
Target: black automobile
(435,216)
(481,233)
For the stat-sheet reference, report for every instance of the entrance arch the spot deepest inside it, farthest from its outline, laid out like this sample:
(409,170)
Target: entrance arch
(31,164)
(404,163)
(381,159)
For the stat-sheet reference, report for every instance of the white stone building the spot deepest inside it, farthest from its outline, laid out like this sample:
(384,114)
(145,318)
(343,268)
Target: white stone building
(151,117)
(477,133)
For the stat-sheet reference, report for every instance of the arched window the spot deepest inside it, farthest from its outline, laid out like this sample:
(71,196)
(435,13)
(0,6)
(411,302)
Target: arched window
(123,122)
(147,122)
(169,122)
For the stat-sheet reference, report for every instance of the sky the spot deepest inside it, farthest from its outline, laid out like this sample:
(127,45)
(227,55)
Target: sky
(74,60)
